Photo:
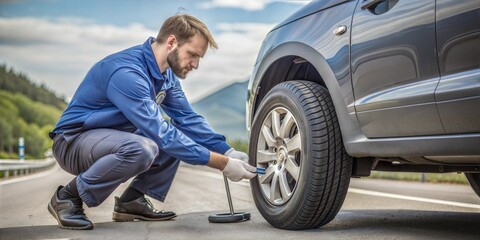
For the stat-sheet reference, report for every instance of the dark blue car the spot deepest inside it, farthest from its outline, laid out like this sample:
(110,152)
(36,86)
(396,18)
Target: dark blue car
(343,87)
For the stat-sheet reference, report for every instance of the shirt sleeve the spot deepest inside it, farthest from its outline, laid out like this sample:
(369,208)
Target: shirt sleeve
(131,93)
(177,107)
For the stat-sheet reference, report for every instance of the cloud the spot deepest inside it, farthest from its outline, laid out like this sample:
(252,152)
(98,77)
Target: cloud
(244,4)
(60,52)
(239,44)
(249,5)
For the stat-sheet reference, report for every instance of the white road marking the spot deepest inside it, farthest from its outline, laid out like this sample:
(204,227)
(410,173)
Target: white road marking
(352,190)
(214,175)
(418,199)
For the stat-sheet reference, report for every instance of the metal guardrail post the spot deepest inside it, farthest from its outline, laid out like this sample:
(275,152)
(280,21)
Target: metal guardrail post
(16,168)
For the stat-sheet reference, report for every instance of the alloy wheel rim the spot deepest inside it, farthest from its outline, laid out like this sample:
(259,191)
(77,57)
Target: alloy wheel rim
(279,151)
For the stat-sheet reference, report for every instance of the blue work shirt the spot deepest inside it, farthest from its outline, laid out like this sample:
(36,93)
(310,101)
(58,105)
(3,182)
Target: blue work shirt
(119,92)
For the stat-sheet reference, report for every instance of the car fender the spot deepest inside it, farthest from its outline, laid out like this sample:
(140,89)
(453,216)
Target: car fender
(346,114)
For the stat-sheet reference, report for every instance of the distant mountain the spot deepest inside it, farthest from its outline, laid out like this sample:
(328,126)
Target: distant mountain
(225,110)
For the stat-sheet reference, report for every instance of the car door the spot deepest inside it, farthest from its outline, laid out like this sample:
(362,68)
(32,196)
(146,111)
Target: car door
(394,68)
(458,46)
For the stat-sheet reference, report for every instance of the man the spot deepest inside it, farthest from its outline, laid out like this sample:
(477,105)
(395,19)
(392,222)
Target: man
(112,129)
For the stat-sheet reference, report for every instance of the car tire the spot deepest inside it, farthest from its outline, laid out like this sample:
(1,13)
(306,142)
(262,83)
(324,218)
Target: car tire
(474,180)
(296,136)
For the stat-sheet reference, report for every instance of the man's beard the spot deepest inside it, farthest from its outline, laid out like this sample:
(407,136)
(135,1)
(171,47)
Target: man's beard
(173,62)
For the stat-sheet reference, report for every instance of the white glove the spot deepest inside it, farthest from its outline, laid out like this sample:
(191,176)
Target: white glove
(237,170)
(232,153)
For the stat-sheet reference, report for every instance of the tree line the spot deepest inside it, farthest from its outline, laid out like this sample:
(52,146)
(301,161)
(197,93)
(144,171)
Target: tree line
(17,82)
(26,110)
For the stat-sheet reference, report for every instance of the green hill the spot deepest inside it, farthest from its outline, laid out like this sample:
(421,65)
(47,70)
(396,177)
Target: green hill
(26,110)
(14,82)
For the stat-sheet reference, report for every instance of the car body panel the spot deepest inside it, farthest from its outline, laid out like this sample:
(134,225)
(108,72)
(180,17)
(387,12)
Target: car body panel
(311,8)
(293,39)
(310,38)
(394,70)
(458,46)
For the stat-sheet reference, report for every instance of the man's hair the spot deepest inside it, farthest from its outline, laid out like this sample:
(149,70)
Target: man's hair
(183,27)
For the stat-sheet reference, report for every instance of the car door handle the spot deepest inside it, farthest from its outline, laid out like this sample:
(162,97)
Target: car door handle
(370,3)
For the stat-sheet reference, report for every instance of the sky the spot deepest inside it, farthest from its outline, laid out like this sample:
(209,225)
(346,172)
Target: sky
(55,42)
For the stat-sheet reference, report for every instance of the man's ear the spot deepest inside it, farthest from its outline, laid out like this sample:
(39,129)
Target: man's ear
(171,42)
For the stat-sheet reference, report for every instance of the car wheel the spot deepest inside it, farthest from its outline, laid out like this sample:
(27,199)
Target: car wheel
(474,180)
(296,137)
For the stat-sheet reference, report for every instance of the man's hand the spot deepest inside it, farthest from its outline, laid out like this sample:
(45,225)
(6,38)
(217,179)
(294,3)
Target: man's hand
(237,170)
(232,153)
(233,168)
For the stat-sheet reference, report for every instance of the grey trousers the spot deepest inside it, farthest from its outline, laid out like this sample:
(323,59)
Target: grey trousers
(102,159)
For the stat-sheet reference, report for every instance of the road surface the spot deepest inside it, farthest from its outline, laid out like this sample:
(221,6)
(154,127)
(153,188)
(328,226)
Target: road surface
(373,209)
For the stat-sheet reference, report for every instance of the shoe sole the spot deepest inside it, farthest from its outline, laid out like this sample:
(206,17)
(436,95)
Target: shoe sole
(54,214)
(126,217)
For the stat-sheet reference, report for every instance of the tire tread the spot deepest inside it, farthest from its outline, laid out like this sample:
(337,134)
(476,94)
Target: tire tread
(329,181)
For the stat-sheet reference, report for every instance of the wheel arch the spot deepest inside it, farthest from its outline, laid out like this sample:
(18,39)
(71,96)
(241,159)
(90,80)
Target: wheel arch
(298,61)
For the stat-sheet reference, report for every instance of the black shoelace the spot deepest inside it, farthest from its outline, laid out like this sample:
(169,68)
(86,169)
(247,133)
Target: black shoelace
(150,205)
(78,206)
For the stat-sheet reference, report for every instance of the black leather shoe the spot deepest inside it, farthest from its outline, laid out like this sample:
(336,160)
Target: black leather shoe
(141,209)
(69,212)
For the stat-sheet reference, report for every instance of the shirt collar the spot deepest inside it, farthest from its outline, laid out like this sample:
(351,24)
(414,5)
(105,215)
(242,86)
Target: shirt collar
(150,58)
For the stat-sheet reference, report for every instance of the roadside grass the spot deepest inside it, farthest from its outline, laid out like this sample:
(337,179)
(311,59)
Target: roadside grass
(455,178)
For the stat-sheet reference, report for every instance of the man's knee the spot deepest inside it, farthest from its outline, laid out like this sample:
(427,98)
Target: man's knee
(142,152)
(148,154)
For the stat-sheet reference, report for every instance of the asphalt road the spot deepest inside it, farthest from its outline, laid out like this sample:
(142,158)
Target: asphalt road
(373,209)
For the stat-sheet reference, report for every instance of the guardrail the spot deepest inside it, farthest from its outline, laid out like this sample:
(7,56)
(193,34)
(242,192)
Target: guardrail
(12,168)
